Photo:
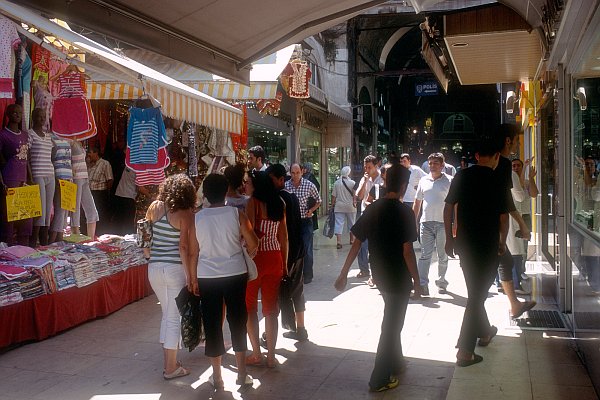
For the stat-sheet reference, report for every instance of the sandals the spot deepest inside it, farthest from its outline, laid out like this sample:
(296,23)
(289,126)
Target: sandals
(247,380)
(526,306)
(272,362)
(476,358)
(392,383)
(484,341)
(255,360)
(178,373)
(339,246)
(217,385)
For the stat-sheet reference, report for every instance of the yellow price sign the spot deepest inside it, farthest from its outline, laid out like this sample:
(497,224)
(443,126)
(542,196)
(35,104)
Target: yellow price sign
(68,195)
(23,202)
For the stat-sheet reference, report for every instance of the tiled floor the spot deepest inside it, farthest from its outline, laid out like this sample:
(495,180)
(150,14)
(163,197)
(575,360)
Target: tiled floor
(117,357)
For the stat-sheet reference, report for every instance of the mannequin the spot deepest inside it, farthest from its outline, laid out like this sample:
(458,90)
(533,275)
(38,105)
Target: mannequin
(43,174)
(61,159)
(84,195)
(15,172)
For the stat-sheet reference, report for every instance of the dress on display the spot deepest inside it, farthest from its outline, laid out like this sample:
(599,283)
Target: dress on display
(9,41)
(72,115)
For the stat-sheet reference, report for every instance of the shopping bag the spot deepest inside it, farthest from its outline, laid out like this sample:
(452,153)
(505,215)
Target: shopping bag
(329,226)
(144,233)
(192,330)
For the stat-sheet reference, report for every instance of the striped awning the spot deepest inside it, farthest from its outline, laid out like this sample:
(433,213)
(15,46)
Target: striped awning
(236,91)
(173,104)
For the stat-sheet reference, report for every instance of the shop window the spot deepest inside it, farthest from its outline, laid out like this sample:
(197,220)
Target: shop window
(586,154)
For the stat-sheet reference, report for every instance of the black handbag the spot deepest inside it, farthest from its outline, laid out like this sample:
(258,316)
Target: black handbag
(192,330)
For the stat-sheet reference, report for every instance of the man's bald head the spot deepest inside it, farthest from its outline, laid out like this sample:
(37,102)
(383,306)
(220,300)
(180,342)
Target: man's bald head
(296,173)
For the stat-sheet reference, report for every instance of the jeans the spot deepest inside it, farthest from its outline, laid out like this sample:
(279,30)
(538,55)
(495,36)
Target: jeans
(166,280)
(433,234)
(390,359)
(363,257)
(307,240)
(479,272)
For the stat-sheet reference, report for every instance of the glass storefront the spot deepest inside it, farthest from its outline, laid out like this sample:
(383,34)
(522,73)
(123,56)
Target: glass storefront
(337,158)
(310,150)
(275,143)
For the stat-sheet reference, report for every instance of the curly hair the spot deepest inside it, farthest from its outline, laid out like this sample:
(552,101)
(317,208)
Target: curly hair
(178,193)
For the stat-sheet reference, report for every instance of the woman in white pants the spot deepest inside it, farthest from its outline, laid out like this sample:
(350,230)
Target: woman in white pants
(168,261)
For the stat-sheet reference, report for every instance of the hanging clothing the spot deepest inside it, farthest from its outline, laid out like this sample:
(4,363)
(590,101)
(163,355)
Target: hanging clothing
(145,134)
(9,41)
(145,178)
(24,92)
(72,115)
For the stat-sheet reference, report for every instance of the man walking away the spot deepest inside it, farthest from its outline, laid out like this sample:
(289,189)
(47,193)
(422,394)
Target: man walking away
(295,250)
(482,223)
(394,267)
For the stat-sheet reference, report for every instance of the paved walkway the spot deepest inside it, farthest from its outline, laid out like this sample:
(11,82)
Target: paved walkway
(118,357)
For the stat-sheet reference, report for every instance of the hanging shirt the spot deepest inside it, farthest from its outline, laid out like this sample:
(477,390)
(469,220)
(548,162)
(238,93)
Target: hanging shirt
(145,134)
(71,84)
(14,147)
(9,40)
(41,155)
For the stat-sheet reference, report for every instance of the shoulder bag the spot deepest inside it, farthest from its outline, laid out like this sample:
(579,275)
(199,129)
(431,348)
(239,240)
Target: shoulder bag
(349,191)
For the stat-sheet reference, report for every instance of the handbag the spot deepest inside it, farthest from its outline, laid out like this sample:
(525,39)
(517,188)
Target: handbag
(250,265)
(329,226)
(192,329)
(144,233)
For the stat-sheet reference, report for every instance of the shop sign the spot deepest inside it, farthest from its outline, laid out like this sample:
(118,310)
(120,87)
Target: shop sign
(429,88)
(68,193)
(313,120)
(23,202)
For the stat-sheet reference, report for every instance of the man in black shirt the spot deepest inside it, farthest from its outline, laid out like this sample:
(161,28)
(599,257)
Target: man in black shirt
(481,218)
(295,250)
(394,267)
(504,174)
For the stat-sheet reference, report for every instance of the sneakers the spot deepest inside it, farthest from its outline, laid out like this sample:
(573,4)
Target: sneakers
(424,290)
(263,340)
(392,383)
(524,276)
(300,334)
(442,290)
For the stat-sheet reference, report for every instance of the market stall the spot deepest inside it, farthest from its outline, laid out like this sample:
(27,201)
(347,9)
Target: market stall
(93,98)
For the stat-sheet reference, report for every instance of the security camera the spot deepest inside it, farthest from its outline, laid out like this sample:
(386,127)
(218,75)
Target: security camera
(510,101)
(581,97)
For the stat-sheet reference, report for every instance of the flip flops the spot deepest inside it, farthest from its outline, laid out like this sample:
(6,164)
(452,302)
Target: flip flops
(526,306)
(483,342)
(392,383)
(178,373)
(467,363)
(255,360)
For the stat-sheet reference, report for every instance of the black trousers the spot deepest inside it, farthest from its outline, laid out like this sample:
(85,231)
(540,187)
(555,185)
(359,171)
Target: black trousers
(390,359)
(505,266)
(213,292)
(102,201)
(479,271)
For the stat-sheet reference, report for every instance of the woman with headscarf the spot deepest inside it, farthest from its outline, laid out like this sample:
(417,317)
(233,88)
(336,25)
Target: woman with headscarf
(344,203)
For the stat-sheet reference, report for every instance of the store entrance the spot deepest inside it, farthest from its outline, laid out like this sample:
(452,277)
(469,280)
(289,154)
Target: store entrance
(547,180)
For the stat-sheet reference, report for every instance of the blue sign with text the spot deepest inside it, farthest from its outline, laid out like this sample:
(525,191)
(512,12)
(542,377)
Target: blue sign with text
(426,88)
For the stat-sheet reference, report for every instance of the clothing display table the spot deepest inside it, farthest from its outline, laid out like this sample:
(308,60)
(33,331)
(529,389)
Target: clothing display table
(47,315)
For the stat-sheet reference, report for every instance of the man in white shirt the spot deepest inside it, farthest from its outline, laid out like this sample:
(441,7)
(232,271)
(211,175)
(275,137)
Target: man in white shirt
(256,158)
(416,174)
(372,176)
(431,193)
